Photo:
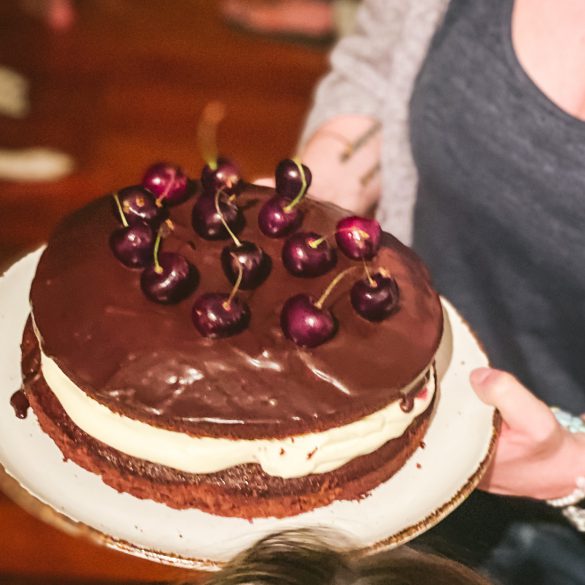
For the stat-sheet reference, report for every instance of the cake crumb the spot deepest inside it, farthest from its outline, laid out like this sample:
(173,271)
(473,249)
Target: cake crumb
(418,466)
(310,455)
(423,445)
(282,451)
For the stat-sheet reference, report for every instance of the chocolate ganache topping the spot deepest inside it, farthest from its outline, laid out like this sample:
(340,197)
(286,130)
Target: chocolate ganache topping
(147,361)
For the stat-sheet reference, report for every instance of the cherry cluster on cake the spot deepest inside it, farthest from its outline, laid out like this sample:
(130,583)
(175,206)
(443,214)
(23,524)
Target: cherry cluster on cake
(168,277)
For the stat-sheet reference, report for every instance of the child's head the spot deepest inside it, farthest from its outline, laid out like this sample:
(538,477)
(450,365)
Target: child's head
(303,557)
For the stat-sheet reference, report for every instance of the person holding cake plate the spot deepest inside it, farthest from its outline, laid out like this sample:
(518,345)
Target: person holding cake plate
(223,340)
(463,125)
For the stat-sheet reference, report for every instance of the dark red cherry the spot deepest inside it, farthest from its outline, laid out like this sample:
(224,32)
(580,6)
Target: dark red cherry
(133,245)
(217,315)
(223,174)
(253,261)
(138,206)
(308,254)
(275,220)
(207,221)
(168,182)
(288,178)
(170,280)
(376,297)
(306,323)
(358,237)
(281,215)
(304,320)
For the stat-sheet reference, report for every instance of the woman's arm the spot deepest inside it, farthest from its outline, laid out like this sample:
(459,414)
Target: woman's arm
(341,141)
(371,80)
(344,157)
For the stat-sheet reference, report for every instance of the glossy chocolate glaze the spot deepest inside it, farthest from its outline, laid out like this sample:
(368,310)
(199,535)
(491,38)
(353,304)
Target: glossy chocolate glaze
(149,362)
(19,403)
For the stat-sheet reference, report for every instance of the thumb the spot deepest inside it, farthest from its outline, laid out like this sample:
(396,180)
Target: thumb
(520,409)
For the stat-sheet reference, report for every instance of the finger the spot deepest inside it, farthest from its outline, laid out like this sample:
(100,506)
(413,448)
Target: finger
(520,409)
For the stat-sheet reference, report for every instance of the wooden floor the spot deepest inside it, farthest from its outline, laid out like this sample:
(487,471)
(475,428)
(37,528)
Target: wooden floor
(121,89)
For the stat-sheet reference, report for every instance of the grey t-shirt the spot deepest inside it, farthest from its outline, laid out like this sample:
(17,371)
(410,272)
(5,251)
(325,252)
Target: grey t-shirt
(500,212)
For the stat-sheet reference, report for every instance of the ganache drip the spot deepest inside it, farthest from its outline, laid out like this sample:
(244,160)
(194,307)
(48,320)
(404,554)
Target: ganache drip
(19,403)
(407,403)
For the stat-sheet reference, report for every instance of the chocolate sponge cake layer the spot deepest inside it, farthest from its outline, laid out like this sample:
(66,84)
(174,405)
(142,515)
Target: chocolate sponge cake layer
(242,491)
(148,362)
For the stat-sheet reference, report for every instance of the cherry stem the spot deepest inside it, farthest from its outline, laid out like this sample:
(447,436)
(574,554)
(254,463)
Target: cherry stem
(332,285)
(120,210)
(157,267)
(319,241)
(372,282)
(302,190)
(316,243)
(213,114)
(225,225)
(159,200)
(236,286)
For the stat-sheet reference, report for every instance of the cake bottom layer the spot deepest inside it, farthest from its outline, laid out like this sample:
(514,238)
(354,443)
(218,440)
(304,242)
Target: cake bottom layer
(244,491)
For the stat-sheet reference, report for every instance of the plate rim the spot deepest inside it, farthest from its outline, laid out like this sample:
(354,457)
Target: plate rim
(32,504)
(45,512)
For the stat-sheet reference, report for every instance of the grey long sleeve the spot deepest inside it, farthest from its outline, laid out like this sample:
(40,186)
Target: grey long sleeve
(372,73)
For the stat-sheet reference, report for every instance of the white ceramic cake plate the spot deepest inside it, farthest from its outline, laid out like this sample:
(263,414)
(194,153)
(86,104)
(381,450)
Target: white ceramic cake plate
(435,480)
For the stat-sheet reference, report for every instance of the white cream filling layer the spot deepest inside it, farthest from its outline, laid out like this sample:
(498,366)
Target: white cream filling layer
(295,456)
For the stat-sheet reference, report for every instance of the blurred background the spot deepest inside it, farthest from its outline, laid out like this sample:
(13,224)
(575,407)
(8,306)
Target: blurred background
(122,84)
(109,87)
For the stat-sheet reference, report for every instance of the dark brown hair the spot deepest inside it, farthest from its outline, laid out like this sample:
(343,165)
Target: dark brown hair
(308,557)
